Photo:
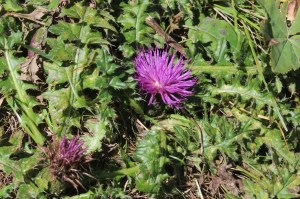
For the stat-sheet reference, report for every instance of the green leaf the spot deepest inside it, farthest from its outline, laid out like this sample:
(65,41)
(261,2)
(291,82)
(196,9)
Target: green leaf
(66,31)
(91,37)
(90,16)
(103,23)
(13,39)
(105,63)
(97,127)
(213,35)
(56,74)
(78,11)
(12,5)
(28,119)
(221,136)
(5,191)
(61,51)
(117,83)
(274,140)
(134,27)
(53,4)
(251,92)
(59,103)
(28,191)
(295,27)
(278,85)
(285,53)
(276,17)
(150,154)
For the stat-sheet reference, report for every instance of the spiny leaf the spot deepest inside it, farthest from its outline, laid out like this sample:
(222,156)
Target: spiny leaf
(67,31)
(98,129)
(90,16)
(150,155)
(221,136)
(134,27)
(250,93)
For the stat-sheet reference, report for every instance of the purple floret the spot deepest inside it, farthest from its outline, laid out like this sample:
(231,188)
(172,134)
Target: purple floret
(158,73)
(71,151)
(67,160)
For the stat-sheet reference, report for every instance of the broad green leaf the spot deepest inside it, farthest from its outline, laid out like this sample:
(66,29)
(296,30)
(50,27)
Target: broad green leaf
(59,103)
(89,15)
(214,36)
(134,27)
(78,11)
(12,5)
(60,51)
(150,154)
(98,129)
(250,92)
(277,18)
(28,190)
(285,55)
(56,74)
(116,83)
(66,31)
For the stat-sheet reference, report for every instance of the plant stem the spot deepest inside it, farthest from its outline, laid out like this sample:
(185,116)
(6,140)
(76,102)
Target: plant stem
(22,99)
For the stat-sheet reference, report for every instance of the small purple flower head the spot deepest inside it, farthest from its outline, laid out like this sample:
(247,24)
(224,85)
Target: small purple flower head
(67,160)
(70,151)
(158,73)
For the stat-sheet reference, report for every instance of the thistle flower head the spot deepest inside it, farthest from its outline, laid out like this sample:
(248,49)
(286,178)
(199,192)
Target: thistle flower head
(158,73)
(67,160)
(70,151)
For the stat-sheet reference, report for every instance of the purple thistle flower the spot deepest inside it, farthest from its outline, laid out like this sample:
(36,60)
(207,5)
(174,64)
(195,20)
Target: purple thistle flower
(71,150)
(67,160)
(158,73)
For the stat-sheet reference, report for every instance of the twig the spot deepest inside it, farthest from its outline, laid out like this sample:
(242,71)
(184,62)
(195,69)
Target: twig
(151,22)
(199,189)
(24,16)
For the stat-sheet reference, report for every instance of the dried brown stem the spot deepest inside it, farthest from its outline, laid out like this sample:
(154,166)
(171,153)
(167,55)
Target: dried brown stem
(25,16)
(151,22)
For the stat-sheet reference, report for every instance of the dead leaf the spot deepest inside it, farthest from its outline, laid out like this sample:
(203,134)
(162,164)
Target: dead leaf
(38,13)
(40,98)
(1,100)
(174,21)
(272,42)
(64,2)
(224,178)
(29,69)
(36,41)
(34,16)
(291,9)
